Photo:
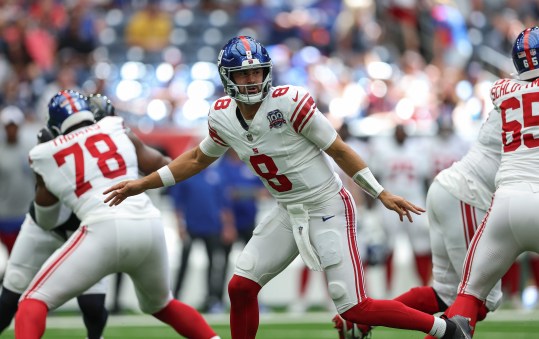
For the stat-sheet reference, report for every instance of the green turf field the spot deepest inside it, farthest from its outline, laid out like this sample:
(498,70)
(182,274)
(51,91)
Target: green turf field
(282,327)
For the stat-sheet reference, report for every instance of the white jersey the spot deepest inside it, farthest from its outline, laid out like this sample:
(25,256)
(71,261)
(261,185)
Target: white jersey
(282,145)
(472,178)
(402,169)
(517,102)
(79,166)
(443,152)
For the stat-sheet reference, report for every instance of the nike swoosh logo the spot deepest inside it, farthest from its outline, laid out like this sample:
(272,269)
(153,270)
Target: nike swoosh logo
(327,218)
(296,98)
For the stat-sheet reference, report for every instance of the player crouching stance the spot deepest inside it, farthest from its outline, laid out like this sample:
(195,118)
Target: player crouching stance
(73,169)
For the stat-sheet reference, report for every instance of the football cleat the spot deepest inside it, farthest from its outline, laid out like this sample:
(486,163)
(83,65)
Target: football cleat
(349,330)
(464,330)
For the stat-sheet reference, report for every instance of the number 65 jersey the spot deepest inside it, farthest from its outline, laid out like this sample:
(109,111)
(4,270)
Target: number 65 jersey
(518,104)
(282,144)
(77,167)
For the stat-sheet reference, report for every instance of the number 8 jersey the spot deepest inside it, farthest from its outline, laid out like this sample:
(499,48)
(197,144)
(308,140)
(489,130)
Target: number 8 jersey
(518,103)
(282,144)
(77,167)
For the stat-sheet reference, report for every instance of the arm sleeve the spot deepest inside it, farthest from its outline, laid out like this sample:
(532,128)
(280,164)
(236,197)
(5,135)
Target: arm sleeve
(213,145)
(212,149)
(319,131)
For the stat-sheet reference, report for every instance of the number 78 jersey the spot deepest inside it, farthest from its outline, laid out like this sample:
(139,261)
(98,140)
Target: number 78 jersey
(282,145)
(79,166)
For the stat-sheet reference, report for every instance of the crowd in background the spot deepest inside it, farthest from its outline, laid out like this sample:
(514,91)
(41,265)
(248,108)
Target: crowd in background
(424,65)
(413,61)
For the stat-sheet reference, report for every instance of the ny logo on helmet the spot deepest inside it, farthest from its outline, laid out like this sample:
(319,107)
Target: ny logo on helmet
(276,119)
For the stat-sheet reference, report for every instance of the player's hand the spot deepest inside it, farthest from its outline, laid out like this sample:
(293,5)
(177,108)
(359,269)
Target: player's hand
(122,190)
(400,205)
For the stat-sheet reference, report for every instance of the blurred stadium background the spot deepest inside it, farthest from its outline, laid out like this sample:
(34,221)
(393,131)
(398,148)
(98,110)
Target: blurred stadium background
(371,64)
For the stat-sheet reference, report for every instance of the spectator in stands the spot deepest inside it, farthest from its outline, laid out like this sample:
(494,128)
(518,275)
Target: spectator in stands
(16,178)
(149,28)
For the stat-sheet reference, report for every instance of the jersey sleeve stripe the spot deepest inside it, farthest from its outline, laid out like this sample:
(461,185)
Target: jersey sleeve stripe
(307,107)
(216,138)
(306,120)
(298,106)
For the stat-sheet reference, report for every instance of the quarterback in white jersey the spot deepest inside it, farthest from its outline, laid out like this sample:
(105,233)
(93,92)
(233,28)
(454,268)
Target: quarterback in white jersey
(73,169)
(281,135)
(511,225)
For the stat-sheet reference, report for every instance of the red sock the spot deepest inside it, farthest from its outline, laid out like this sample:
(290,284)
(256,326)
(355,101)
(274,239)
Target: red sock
(31,318)
(421,298)
(482,313)
(389,313)
(511,279)
(185,320)
(423,264)
(467,306)
(534,265)
(244,314)
(304,279)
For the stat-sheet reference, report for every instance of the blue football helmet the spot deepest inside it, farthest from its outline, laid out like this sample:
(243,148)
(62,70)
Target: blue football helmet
(68,108)
(526,54)
(100,106)
(242,53)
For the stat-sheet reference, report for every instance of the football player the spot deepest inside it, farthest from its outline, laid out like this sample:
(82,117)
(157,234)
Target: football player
(84,157)
(282,136)
(511,225)
(35,244)
(457,201)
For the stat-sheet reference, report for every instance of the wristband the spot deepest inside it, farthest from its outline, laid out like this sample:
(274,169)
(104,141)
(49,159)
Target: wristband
(166,176)
(366,180)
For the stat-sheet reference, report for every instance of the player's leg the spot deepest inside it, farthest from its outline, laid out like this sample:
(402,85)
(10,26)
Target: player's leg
(495,246)
(31,249)
(336,243)
(260,261)
(216,274)
(187,244)
(147,265)
(392,228)
(65,275)
(419,237)
(94,312)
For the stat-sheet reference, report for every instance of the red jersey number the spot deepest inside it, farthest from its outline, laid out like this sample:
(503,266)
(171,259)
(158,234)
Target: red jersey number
(82,186)
(266,168)
(514,128)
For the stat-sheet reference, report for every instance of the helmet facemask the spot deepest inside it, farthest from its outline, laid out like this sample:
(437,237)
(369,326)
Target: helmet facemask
(241,54)
(233,89)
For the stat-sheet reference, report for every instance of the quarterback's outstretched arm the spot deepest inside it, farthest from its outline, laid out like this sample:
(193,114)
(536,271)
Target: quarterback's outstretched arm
(354,166)
(184,166)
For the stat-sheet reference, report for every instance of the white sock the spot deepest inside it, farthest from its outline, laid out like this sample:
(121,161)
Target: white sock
(216,337)
(438,328)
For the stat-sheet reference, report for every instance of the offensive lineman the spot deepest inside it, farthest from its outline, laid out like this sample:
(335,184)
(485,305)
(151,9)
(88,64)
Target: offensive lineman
(279,133)
(511,226)
(35,244)
(73,169)
(457,201)
(31,249)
